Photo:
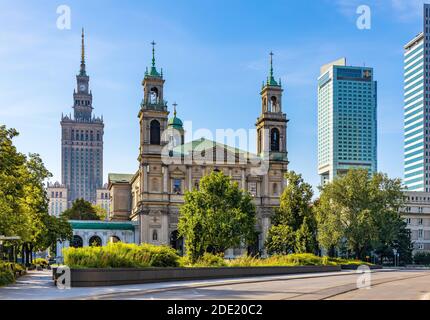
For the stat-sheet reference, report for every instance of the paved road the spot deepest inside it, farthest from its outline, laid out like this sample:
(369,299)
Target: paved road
(386,284)
(393,285)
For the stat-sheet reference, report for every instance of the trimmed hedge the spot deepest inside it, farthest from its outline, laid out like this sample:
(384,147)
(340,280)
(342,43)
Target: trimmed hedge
(121,255)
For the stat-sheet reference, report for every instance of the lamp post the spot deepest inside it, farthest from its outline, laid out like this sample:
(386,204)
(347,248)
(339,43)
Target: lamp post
(395,257)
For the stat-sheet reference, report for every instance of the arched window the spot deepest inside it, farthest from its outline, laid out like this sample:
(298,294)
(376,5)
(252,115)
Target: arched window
(95,241)
(153,96)
(154,235)
(273,104)
(265,107)
(274,140)
(77,242)
(155,132)
(115,239)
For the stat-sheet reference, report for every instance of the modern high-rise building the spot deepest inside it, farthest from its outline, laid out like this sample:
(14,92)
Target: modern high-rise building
(347,119)
(82,142)
(416,108)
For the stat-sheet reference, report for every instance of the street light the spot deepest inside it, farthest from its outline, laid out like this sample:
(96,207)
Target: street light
(395,257)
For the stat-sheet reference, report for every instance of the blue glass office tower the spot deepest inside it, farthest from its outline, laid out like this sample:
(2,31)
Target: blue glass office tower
(347,119)
(416,109)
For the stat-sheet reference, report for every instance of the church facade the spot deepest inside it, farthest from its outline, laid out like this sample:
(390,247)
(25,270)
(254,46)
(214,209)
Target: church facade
(168,167)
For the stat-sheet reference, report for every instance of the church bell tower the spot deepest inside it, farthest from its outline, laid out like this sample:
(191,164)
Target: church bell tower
(153,115)
(272,123)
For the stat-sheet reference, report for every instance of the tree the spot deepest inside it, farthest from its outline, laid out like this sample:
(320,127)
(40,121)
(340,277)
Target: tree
(216,217)
(361,210)
(281,239)
(57,229)
(82,210)
(294,216)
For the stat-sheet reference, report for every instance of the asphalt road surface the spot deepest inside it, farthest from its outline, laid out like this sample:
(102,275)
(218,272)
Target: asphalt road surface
(383,285)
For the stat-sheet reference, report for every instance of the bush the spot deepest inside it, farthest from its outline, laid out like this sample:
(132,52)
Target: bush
(210,260)
(121,255)
(9,271)
(342,261)
(40,262)
(422,258)
(6,277)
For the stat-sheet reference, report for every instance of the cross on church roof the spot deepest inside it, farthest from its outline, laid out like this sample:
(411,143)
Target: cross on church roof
(174,108)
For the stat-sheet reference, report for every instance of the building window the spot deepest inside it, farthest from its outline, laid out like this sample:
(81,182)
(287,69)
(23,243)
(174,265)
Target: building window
(154,235)
(155,132)
(275,189)
(274,140)
(252,188)
(77,242)
(95,241)
(177,186)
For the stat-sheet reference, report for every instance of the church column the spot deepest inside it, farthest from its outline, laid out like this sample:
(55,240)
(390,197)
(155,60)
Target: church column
(166,179)
(189,175)
(243,180)
(165,237)
(145,178)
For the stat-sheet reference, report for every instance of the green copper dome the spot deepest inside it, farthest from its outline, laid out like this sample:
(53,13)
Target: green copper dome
(175,122)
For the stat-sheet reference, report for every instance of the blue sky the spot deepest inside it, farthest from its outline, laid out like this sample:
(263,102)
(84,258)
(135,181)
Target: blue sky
(215,57)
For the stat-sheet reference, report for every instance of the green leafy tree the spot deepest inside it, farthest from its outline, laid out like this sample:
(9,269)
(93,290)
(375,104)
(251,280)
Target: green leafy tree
(216,217)
(295,216)
(281,239)
(362,211)
(82,210)
(56,229)
(23,199)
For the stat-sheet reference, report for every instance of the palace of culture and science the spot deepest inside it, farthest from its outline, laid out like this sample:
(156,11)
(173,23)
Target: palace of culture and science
(81,151)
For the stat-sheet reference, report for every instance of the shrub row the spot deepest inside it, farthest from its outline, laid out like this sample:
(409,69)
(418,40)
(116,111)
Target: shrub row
(121,255)
(303,259)
(422,258)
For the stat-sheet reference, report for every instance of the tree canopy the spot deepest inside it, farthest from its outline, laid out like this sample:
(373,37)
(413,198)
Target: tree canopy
(23,198)
(361,212)
(216,217)
(293,224)
(84,210)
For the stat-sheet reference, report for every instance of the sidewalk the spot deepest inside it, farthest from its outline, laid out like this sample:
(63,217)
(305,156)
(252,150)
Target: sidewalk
(38,285)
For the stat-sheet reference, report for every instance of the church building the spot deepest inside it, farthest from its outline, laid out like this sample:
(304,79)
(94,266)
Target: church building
(168,167)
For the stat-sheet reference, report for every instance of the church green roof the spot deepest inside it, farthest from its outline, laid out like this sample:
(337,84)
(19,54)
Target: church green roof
(101,225)
(120,177)
(205,144)
(154,72)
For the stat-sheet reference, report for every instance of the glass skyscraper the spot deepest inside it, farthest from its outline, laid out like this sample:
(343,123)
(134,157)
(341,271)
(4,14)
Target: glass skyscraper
(347,119)
(416,108)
